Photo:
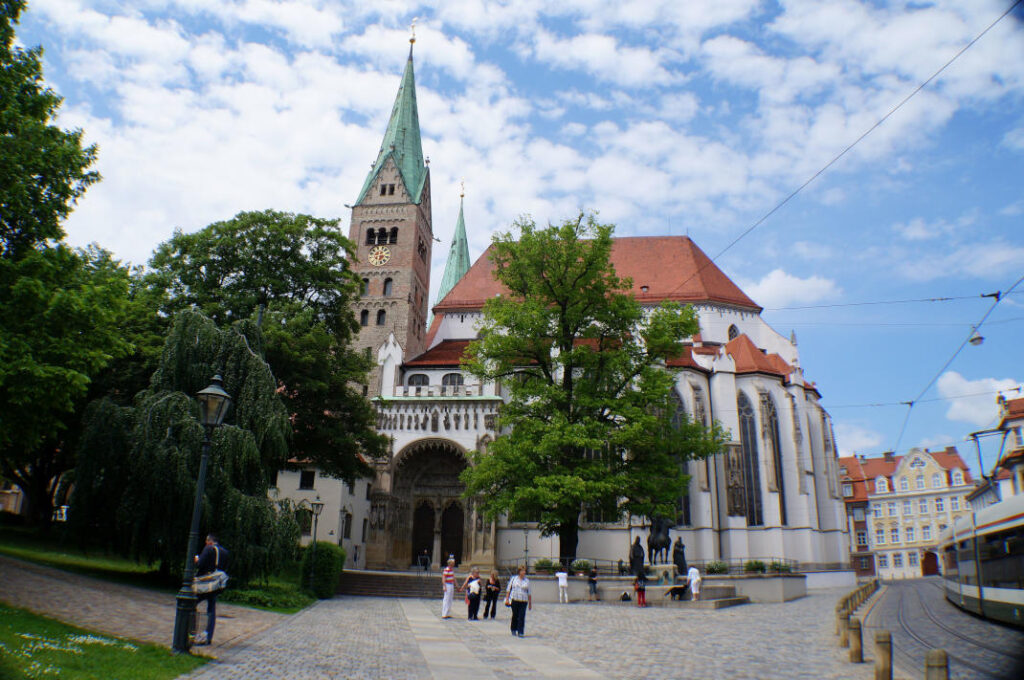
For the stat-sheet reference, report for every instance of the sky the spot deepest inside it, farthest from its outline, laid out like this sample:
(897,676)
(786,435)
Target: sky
(665,117)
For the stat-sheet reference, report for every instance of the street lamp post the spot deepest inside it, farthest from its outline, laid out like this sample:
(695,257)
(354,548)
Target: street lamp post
(317,507)
(213,405)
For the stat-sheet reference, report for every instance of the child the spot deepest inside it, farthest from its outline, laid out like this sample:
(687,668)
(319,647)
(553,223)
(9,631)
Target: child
(640,586)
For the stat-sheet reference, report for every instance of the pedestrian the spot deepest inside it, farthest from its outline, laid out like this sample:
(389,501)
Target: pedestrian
(693,579)
(448,588)
(563,585)
(518,597)
(472,587)
(491,591)
(214,557)
(640,586)
(592,584)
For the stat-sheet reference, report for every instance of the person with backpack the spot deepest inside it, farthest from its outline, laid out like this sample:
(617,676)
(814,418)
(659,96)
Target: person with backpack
(213,558)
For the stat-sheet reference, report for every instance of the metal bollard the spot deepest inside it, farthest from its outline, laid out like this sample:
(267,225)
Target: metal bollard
(844,629)
(936,665)
(883,655)
(856,642)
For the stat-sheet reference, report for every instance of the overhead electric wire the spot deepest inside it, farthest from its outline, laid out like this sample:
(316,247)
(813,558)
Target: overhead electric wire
(832,407)
(876,302)
(850,146)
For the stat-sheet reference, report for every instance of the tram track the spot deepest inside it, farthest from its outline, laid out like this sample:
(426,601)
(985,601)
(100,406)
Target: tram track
(953,631)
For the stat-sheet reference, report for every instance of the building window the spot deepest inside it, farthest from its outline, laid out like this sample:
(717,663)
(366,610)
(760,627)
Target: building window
(370,237)
(876,511)
(366,287)
(346,527)
(936,481)
(862,538)
(364,530)
(364,318)
(847,490)
(881,486)
(883,561)
(897,560)
(750,466)
(890,509)
(683,511)
(393,235)
(306,478)
(382,317)
(909,531)
(954,503)
(304,516)
(418,380)
(958,478)
(912,559)
(907,509)
(452,379)
(919,482)
(922,506)
(733,332)
(388,285)
(904,484)
(880,536)
(858,514)
(940,506)
(894,535)
(865,563)
(351,488)
(368,491)
(382,236)
(926,532)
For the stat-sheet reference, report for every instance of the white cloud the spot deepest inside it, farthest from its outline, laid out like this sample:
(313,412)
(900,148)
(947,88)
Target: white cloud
(603,58)
(778,289)
(1014,139)
(973,401)
(852,438)
(994,258)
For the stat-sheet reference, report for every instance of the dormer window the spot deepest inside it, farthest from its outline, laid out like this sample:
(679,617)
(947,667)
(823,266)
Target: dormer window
(958,478)
(881,485)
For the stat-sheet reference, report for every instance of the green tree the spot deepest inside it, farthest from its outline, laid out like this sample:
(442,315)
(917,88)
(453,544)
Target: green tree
(60,311)
(290,272)
(138,465)
(43,169)
(591,420)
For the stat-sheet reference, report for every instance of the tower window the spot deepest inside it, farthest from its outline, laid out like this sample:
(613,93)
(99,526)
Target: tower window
(733,332)
(382,317)
(387,287)
(370,237)
(364,318)
(382,236)
(393,236)
(383,189)
(366,286)
(391,190)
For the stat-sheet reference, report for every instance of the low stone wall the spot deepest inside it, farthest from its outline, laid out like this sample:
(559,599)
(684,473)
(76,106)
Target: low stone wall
(833,578)
(762,587)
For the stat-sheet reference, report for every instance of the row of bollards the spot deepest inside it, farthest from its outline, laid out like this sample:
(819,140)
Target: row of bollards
(850,636)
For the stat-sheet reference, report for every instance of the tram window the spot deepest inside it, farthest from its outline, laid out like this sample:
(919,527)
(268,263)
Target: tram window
(1002,559)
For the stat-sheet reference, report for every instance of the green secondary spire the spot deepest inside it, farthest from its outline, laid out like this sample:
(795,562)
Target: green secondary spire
(458,257)
(402,139)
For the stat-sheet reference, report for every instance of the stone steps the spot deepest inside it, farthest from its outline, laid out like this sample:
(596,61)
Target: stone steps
(384,584)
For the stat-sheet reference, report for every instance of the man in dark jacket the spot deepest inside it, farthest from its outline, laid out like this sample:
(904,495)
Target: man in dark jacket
(214,557)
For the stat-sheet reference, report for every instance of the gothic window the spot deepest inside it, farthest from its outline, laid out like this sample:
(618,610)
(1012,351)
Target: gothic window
(418,380)
(733,332)
(771,423)
(421,249)
(346,530)
(370,237)
(366,286)
(388,285)
(393,235)
(683,517)
(382,236)
(382,317)
(700,415)
(452,379)
(364,318)
(749,461)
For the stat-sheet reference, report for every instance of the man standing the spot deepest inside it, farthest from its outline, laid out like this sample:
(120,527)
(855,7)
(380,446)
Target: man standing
(448,589)
(563,585)
(214,557)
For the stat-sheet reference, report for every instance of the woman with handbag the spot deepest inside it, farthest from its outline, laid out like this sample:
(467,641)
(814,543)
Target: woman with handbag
(491,590)
(212,559)
(518,597)
(472,587)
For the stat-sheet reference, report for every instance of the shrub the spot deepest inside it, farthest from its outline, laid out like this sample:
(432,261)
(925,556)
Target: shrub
(274,597)
(754,566)
(326,572)
(780,567)
(545,565)
(581,565)
(717,567)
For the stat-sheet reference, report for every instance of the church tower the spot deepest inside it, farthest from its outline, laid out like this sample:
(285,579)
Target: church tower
(391,227)
(458,257)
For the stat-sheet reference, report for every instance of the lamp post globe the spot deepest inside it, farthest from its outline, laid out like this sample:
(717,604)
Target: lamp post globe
(213,406)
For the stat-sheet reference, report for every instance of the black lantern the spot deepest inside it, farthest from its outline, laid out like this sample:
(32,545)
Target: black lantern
(213,403)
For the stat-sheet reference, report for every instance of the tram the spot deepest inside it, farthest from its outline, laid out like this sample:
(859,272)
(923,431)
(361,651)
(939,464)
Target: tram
(983,561)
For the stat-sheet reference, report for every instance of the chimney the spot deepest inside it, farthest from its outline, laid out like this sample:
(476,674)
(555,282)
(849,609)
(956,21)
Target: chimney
(889,456)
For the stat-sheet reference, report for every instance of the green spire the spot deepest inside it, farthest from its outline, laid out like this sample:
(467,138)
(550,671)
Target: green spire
(402,140)
(458,257)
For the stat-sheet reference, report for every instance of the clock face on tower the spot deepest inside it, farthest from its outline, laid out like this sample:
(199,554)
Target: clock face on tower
(379,255)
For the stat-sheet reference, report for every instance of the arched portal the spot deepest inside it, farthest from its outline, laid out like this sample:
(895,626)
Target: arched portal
(453,521)
(423,533)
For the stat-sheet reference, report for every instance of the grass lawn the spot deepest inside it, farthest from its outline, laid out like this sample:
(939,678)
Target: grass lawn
(281,594)
(33,646)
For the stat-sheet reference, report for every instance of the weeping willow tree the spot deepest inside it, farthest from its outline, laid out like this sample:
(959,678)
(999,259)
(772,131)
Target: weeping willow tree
(136,478)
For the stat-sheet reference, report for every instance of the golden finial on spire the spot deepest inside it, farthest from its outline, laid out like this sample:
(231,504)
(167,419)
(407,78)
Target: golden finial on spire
(462,188)
(412,30)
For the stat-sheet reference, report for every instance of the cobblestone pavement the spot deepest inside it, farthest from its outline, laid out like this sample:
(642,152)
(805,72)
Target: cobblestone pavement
(115,609)
(364,637)
(919,618)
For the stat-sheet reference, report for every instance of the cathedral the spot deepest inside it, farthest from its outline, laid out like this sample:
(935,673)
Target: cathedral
(772,493)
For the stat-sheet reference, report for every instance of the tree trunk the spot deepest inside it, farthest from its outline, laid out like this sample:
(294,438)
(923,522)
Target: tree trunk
(568,540)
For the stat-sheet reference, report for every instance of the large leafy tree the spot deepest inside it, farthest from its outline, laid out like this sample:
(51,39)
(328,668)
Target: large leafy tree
(138,464)
(291,273)
(43,169)
(591,421)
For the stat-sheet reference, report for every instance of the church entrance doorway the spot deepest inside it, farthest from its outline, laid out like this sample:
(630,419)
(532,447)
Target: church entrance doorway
(453,521)
(423,534)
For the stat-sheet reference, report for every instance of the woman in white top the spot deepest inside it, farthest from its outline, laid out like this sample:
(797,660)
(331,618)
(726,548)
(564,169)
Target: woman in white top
(693,578)
(518,597)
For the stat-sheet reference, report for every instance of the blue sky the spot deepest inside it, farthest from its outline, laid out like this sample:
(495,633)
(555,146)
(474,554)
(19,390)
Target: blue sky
(669,117)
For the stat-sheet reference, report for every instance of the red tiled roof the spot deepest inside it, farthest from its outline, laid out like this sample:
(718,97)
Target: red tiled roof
(446,353)
(686,360)
(669,267)
(1012,410)
(749,359)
